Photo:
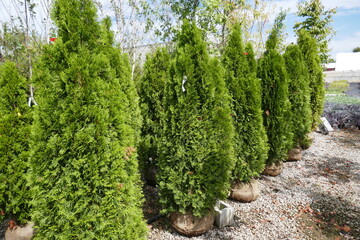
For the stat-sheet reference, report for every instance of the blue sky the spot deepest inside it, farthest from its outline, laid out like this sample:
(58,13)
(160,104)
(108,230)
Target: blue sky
(346,23)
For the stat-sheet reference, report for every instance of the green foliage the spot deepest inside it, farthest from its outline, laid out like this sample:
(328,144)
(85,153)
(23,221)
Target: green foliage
(357,49)
(84,171)
(299,94)
(338,87)
(309,49)
(151,91)
(250,143)
(342,99)
(318,23)
(196,154)
(250,57)
(15,123)
(275,102)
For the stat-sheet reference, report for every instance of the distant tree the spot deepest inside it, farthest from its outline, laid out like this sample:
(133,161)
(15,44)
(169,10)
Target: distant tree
(318,23)
(299,95)
(84,171)
(311,56)
(250,137)
(196,154)
(357,49)
(275,95)
(15,121)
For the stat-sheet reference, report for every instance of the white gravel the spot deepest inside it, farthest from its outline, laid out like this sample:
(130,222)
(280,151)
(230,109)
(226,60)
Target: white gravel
(323,188)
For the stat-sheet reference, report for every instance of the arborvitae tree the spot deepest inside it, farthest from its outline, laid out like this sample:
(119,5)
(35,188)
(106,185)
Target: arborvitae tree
(151,91)
(310,51)
(196,155)
(15,123)
(250,143)
(299,94)
(275,102)
(84,170)
(250,57)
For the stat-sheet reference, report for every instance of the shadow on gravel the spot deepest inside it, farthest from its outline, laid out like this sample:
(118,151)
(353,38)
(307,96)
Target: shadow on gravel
(337,170)
(336,215)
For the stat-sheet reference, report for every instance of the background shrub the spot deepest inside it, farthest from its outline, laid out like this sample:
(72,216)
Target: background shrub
(299,94)
(275,101)
(151,92)
(250,143)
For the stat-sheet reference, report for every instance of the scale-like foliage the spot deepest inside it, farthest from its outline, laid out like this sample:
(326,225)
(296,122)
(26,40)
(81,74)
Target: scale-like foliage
(14,143)
(299,94)
(310,51)
(275,101)
(250,143)
(197,154)
(151,91)
(84,170)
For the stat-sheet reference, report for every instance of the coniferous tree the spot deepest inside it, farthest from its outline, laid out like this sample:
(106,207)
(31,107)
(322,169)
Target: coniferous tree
(15,123)
(196,155)
(275,102)
(250,56)
(310,51)
(250,143)
(151,91)
(84,170)
(299,94)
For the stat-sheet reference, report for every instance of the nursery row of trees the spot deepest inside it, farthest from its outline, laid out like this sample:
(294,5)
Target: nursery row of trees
(71,162)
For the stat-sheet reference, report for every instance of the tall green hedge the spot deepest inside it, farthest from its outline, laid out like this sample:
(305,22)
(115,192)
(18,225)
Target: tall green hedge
(299,94)
(151,92)
(197,154)
(15,121)
(310,51)
(84,170)
(250,143)
(275,96)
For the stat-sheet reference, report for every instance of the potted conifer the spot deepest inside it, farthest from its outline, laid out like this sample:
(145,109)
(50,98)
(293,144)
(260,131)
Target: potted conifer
(275,102)
(196,155)
(84,171)
(15,121)
(299,96)
(311,55)
(250,142)
(151,92)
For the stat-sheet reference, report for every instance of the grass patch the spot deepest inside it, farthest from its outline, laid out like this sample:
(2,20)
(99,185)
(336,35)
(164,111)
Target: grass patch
(338,87)
(342,99)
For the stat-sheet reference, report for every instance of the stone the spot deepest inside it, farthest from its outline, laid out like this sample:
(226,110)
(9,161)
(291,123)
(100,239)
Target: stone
(224,214)
(20,233)
(245,192)
(273,169)
(325,126)
(295,154)
(189,225)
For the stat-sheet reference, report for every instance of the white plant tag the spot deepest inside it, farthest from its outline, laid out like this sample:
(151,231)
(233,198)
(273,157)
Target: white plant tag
(183,82)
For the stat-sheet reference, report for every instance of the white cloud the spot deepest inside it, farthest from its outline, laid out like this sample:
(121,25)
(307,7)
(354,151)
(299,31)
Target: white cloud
(345,43)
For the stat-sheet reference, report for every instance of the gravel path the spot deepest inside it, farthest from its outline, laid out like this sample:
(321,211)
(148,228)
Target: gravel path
(315,198)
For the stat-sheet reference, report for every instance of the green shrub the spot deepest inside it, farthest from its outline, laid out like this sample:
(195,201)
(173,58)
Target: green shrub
(250,143)
(338,87)
(275,101)
(310,51)
(196,154)
(15,123)
(84,170)
(151,92)
(299,94)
